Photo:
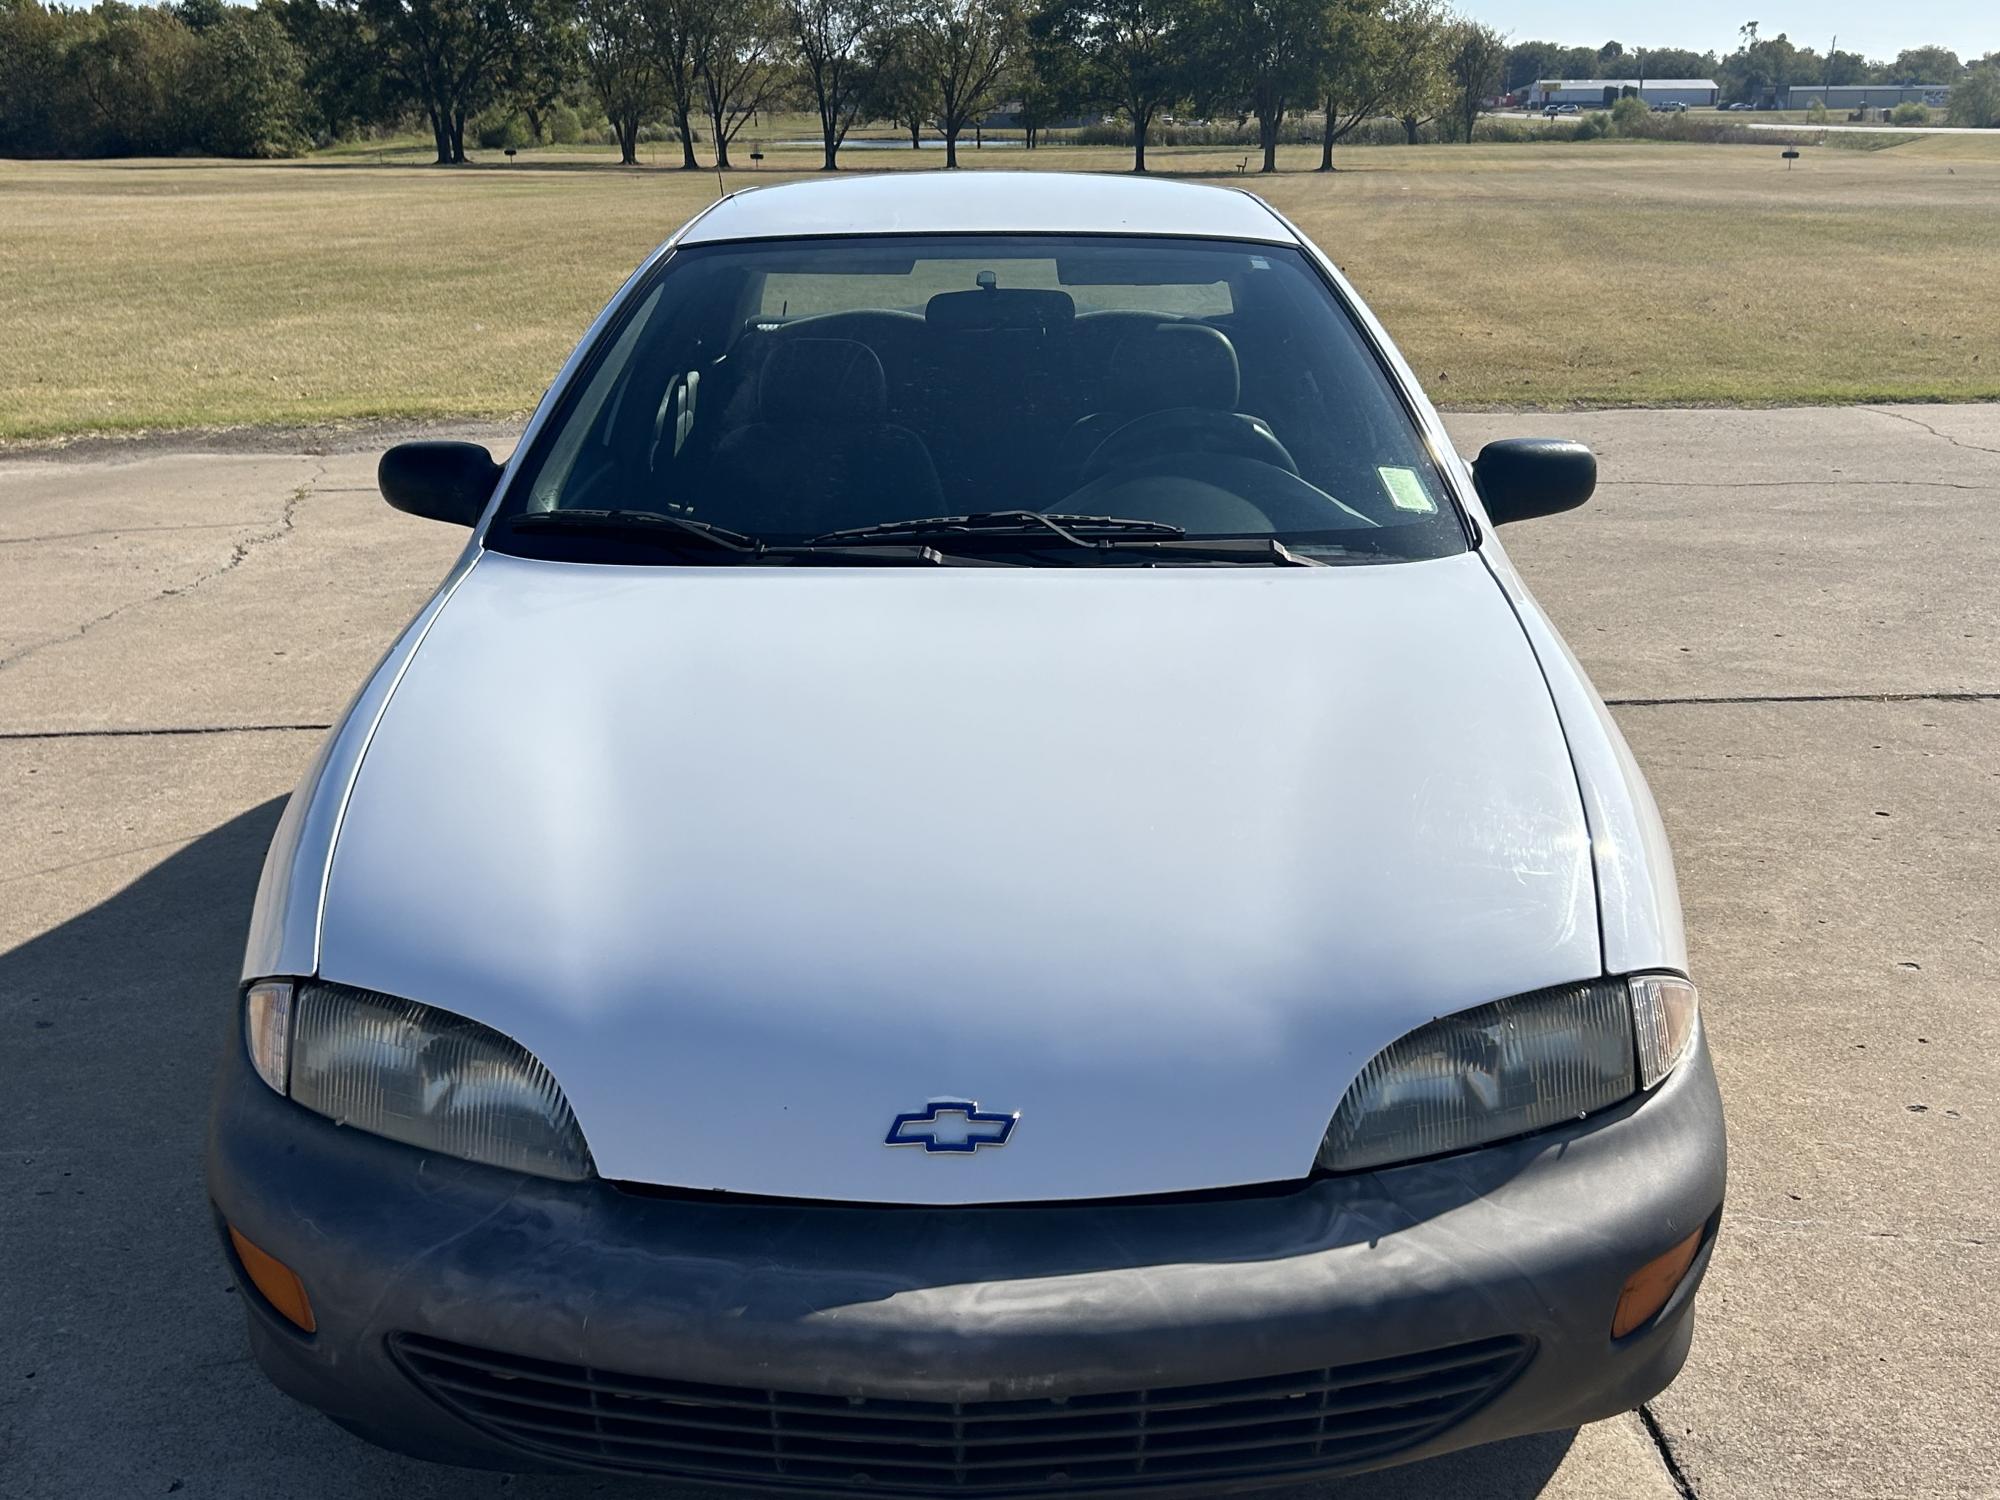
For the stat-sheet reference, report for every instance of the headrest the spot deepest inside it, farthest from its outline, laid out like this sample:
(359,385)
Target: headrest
(821,380)
(1174,364)
(992,308)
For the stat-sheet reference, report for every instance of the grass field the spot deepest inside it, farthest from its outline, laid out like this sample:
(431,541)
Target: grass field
(160,294)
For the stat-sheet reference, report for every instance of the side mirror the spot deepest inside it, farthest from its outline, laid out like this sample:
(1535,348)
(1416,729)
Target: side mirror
(1522,478)
(438,481)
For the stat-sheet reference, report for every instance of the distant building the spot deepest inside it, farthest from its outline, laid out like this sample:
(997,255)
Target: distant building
(1602,93)
(1848,97)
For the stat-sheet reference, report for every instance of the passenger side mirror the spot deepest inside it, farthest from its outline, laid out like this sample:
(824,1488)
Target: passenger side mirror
(1522,478)
(439,481)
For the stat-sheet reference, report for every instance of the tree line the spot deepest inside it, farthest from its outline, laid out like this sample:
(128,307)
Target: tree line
(202,76)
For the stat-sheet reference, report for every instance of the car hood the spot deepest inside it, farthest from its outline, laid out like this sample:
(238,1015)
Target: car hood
(756,860)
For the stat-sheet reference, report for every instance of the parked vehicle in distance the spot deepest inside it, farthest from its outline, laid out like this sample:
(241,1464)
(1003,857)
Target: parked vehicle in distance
(1560,109)
(982,880)
(1670,107)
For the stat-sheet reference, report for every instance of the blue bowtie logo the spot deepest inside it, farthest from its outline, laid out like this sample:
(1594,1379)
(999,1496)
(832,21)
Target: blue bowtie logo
(957,1126)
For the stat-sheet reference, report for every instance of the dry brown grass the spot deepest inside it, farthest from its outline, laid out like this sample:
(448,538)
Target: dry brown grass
(174,294)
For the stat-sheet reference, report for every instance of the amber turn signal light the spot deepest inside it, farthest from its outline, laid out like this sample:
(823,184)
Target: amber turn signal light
(278,1282)
(1649,1287)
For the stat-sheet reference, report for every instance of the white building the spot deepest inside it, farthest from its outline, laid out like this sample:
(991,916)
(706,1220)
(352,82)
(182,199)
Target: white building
(1602,93)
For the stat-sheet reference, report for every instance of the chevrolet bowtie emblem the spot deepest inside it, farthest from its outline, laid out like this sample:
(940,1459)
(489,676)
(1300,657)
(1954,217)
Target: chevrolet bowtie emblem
(958,1126)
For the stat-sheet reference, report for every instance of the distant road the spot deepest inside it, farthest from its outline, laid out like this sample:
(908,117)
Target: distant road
(1880,129)
(1723,114)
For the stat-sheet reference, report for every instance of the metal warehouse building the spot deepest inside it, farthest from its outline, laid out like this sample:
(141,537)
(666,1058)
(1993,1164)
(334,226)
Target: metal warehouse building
(1601,93)
(1869,95)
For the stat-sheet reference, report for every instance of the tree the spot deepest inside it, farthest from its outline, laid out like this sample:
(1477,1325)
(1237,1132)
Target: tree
(1975,100)
(342,78)
(830,39)
(1925,65)
(1528,63)
(901,88)
(1678,62)
(1762,68)
(735,45)
(1477,55)
(1847,67)
(1048,82)
(1416,75)
(38,112)
(624,70)
(1358,68)
(247,86)
(550,65)
(1267,54)
(1131,55)
(964,46)
(453,57)
(673,25)
(135,68)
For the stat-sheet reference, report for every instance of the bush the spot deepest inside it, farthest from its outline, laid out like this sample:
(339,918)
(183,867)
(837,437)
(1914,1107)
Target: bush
(563,126)
(1629,116)
(1592,126)
(497,130)
(1816,112)
(1909,113)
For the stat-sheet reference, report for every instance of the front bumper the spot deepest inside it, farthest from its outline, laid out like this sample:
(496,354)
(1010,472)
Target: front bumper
(1529,1241)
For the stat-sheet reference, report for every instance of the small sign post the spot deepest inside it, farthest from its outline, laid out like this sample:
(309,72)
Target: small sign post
(1791,155)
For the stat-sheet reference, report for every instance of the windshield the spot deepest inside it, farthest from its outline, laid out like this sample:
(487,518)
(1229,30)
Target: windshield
(1163,402)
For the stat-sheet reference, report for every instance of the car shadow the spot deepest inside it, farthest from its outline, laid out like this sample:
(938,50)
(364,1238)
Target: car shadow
(125,1367)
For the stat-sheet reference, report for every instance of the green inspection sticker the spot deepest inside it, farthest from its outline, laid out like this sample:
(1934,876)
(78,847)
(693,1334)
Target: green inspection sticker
(1406,490)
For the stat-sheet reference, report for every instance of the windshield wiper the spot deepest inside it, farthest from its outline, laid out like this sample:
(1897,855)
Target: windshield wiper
(651,525)
(1011,524)
(1236,549)
(685,533)
(1106,536)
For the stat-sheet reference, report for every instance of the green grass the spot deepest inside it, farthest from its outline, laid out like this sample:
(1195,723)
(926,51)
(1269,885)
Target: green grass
(143,295)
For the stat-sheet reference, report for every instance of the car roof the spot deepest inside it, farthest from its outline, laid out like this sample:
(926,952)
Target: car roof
(982,202)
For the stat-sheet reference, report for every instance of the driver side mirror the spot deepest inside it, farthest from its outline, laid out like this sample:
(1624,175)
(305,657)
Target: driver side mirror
(1521,478)
(439,481)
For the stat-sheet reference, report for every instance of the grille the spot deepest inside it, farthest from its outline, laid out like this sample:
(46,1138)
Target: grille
(1310,1422)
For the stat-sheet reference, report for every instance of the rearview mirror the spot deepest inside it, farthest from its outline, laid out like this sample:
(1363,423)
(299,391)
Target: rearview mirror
(1522,478)
(439,481)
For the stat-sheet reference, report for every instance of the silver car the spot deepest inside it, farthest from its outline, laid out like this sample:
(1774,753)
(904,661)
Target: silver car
(982,881)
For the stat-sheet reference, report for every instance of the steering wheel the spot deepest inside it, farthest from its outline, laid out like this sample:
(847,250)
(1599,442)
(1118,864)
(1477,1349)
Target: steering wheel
(1187,429)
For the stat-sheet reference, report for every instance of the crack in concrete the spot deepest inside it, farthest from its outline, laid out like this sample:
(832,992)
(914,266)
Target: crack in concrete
(1979,1238)
(1920,422)
(98,859)
(314,726)
(1795,484)
(166,730)
(287,519)
(1804,698)
(1683,1486)
(70,536)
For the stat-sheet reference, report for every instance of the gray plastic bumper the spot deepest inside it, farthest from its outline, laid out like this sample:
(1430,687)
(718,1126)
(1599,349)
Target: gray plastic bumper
(1530,1238)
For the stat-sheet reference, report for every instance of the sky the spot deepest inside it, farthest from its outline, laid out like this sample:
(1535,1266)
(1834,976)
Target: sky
(1970,28)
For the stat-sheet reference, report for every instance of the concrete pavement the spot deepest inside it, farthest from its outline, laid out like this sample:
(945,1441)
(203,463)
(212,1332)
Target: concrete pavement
(1794,611)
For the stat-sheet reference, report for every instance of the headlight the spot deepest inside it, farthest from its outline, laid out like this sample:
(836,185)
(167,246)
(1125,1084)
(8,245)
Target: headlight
(1510,1068)
(417,1075)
